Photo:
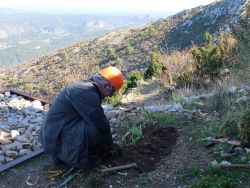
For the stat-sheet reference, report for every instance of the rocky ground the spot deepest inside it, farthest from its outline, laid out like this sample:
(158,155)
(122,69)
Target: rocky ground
(166,153)
(20,123)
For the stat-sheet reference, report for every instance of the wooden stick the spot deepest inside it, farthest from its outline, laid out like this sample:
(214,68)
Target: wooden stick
(235,166)
(131,165)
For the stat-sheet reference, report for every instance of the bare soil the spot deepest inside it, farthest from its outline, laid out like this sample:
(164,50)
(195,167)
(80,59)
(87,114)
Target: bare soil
(156,144)
(162,154)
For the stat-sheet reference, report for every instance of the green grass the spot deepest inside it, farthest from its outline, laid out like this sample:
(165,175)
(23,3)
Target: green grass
(175,98)
(201,131)
(219,178)
(136,132)
(164,118)
(192,172)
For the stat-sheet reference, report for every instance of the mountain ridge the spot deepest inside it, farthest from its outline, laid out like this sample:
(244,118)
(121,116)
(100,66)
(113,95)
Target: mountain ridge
(129,49)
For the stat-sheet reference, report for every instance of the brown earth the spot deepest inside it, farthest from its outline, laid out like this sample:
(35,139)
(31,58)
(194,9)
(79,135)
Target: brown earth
(156,144)
(160,155)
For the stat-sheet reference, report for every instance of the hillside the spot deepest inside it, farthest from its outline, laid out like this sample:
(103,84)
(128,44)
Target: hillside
(129,49)
(26,35)
(181,119)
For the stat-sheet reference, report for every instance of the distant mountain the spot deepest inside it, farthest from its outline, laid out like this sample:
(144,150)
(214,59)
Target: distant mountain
(129,49)
(28,35)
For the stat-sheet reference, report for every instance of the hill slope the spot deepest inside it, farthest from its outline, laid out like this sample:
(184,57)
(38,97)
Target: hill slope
(128,49)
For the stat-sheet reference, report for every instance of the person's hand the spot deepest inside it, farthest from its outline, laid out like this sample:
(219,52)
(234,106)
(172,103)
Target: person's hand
(115,150)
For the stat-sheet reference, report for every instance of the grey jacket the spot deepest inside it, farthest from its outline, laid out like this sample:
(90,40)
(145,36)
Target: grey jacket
(75,124)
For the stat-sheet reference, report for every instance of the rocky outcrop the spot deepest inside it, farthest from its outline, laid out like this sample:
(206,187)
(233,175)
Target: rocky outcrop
(216,18)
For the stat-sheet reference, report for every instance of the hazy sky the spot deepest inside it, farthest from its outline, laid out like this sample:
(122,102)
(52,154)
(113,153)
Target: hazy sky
(105,5)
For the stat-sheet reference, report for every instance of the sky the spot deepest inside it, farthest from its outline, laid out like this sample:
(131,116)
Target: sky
(107,5)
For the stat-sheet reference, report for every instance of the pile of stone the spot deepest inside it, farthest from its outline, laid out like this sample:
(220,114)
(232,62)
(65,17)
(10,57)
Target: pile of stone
(20,123)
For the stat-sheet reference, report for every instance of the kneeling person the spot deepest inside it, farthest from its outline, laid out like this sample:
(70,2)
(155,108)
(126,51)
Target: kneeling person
(76,130)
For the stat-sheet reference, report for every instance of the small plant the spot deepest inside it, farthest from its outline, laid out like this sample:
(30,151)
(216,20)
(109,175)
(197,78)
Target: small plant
(229,127)
(184,79)
(91,182)
(244,128)
(192,172)
(136,132)
(129,49)
(130,82)
(175,98)
(217,178)
(133,80)
(155,67)
(164,118)
(111,53)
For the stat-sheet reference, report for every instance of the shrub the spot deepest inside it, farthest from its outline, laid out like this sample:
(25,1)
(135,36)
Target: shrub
(133,80)
(229,128)
(129,49)
(244,128)
(155,66)
(111,53)
(136,133)
(178,68)
(120,62)
(184,79)
(116,99)
(209,58)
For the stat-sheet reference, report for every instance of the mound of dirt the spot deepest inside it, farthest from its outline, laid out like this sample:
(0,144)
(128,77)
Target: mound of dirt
(157,142)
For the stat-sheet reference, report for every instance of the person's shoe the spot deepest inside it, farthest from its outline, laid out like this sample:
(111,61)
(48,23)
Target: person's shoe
(57,161)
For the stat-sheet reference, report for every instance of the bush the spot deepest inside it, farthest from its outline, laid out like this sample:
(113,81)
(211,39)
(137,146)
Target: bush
(184,79)
(129,49)
(229,128)
(209,58)
(111,53)
(244,128)
(155,66)
(133,80)
(130,82)
(178,68)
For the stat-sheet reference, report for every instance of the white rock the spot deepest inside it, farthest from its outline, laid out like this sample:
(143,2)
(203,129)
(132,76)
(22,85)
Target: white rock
(46,107)
(8,159)
(224,163)
(1,97)
(24,151)
(214,163)
(114,113)
(22,139)
(5,141)
(4,135)
(112,120)
(14,134)
(37,105)
(232,89)
(7,94)
(15,146)
(10,153)
(107,107)
(2,158)
(4,109)
(22,130)
(176,107)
